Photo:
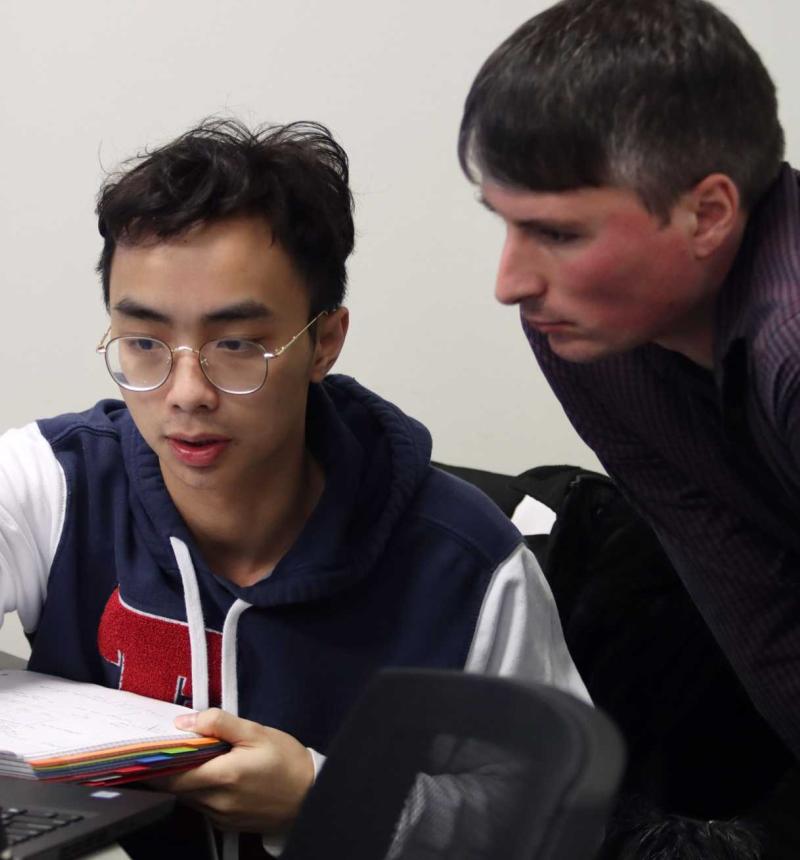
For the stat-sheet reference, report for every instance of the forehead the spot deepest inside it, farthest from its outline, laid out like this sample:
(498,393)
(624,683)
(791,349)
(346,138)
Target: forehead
(582,205)
(234,260)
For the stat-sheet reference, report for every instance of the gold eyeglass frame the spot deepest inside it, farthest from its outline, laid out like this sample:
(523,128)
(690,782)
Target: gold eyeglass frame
(102,349)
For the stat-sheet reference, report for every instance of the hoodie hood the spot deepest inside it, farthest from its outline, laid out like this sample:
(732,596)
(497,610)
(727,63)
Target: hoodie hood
(374,458)
(392,569)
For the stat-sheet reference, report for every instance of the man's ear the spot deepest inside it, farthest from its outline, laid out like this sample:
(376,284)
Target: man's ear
(330,335)
(716,207)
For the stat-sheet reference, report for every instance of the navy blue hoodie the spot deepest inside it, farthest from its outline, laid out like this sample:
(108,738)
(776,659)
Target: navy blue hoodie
(391,569)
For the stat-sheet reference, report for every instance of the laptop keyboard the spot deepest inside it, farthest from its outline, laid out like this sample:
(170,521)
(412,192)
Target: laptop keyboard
(20,825)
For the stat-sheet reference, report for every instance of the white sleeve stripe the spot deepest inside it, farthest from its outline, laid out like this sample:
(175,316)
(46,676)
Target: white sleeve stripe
(519,633)
(33,502)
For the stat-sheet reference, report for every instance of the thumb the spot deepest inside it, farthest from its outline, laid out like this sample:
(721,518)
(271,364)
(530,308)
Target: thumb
(219,724)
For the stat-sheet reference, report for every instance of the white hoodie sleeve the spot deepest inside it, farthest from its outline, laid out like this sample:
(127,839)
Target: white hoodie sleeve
(519,632)
(33,497)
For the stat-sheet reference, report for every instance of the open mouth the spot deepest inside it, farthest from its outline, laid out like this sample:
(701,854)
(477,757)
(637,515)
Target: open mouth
(199,451)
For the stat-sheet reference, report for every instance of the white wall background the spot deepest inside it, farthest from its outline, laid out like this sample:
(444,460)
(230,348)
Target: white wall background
(89,83)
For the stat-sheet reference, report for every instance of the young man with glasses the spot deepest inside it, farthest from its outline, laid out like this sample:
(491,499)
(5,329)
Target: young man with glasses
(244,530)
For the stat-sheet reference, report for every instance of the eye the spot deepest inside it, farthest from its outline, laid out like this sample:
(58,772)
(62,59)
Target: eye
(554,235)
(547,234)
(235,347)
(142,344)
(233,344)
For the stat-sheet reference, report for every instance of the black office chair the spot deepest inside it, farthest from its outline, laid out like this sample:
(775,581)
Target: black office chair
(455,766)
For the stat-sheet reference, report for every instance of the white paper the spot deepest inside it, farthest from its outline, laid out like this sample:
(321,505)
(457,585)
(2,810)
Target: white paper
(41,715)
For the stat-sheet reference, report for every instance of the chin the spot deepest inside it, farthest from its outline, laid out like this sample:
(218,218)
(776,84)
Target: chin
(579,350)
(584,350)
(178,474)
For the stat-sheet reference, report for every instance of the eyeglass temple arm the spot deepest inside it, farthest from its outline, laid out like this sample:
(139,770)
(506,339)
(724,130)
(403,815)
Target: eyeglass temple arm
(101,347)
(282,349)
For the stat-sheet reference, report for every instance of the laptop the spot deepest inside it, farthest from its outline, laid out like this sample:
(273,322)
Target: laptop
(50,821)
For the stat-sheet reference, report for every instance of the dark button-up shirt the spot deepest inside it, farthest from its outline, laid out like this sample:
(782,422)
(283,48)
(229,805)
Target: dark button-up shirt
(712,459)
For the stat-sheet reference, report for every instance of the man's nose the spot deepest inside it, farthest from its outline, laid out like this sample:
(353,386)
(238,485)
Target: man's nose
(188,387)
(519,275)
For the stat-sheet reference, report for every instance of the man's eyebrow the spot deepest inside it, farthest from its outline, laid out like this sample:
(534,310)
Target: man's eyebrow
(239,312)
(567,225)
(135,310)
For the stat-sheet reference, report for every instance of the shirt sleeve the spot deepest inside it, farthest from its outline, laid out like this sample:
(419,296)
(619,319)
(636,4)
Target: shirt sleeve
(519,633)
(33,498)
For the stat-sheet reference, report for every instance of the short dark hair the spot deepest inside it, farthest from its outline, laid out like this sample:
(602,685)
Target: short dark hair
(295,176)
(650,95)
(638,831)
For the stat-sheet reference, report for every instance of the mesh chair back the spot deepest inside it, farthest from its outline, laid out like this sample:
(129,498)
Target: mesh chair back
(438,764)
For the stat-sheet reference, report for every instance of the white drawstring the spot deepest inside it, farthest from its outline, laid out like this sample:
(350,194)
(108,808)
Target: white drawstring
(197,629)
(212,841)
(230,684)
(199,662)
(230,696)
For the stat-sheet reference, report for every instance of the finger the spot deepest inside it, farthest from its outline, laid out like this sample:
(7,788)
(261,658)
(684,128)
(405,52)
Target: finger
(220,724)
(181,783)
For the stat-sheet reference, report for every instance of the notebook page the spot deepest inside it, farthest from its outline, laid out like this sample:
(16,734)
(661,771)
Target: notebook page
(43,715)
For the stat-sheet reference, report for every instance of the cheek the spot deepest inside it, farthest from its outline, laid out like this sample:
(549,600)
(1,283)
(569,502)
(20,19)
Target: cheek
(597,276)
(288,378)
(278,406)
(142,408)
(630,268)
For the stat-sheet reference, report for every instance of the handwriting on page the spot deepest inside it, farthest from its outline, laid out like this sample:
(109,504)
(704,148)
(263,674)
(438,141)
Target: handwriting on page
(40,714)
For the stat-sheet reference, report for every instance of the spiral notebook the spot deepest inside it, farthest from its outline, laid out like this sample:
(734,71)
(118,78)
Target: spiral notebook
(58,730)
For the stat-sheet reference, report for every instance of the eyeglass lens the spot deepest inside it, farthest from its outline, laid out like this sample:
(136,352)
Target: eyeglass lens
(143,363)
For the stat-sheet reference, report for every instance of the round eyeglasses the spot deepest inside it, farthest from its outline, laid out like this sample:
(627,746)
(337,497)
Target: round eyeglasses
(231,364)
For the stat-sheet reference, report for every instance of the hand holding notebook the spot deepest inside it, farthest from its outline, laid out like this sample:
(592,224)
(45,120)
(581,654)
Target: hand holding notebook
(60,730)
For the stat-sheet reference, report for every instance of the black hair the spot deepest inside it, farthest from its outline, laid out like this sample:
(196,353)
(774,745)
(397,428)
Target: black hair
(295,176)
(649,95)
(645,833)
